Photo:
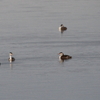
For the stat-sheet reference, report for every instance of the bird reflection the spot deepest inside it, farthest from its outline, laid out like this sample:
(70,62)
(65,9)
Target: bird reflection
(61,61)
(11,65)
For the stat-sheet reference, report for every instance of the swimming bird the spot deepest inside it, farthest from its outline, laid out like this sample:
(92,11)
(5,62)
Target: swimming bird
(10,57)
(62,28)
(64,57)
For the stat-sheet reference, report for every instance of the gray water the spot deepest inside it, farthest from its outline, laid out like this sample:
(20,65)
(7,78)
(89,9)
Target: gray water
(29,29)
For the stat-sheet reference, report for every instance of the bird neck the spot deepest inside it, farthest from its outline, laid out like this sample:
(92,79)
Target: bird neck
(60,56)
(10,57)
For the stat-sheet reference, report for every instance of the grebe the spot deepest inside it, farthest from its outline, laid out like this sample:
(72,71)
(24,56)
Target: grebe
(10,57)
(62,28)
(64,57)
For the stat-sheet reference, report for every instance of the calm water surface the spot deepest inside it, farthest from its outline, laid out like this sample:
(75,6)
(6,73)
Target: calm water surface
(29,29)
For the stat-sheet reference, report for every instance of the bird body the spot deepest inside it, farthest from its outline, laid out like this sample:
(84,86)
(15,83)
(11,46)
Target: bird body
(62,28)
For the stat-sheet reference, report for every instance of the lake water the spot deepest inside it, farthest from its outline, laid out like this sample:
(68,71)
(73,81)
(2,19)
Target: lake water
(29,29)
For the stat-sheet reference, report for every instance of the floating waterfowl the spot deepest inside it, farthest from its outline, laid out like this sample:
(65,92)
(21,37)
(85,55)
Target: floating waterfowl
(62,28)
(64,57)
(10,57)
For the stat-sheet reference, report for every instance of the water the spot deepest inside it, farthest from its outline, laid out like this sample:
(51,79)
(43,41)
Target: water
(29,29)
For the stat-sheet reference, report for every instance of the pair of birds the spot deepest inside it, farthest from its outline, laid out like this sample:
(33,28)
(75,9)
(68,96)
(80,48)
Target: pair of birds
(62,28)
(61,54)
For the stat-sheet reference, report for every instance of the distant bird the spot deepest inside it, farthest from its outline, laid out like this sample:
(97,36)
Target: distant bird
(62,28)
(64,57)
(10,57)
